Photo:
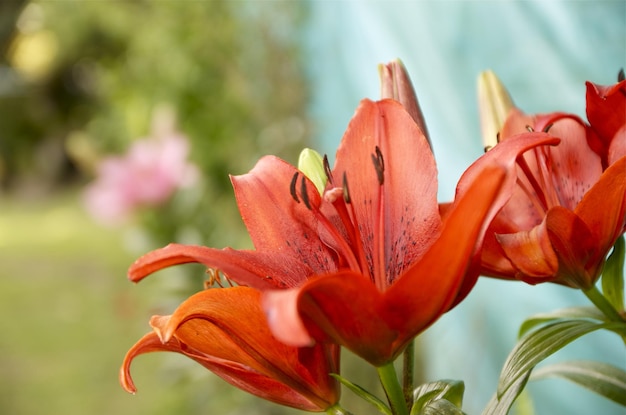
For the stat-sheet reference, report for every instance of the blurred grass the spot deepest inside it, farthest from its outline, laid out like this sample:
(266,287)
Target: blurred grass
(69,315)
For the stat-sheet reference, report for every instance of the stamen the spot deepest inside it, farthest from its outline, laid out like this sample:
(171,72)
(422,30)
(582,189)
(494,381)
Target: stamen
(304,194)
(498,137)
(487,148)
(620,75)
(215,277)
(379,165)
(530,129)
(327,170)
(547,127)
(346,190)
(292,187)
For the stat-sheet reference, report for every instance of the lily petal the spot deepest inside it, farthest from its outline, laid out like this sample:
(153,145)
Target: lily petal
(603,208)
(617,150)
(395,203)
(606,112)
(531,253)
(501,219)
(225,331)
(443,273)
(251,268)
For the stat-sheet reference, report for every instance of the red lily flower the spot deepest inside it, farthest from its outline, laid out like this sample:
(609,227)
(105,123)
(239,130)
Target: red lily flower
(225,330)
(606,110)
(374,236)
(567,210)
(405,265)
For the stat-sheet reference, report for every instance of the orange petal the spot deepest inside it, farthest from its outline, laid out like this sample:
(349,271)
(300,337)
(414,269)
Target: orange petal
(225,330)
(346,308)
(603,208)
(531,253)
(433,285)
(574,244)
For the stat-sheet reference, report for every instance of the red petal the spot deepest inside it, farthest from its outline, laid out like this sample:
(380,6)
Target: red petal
(505,215)
(403,211)
(617,150)
(606,111)
(603,209)
(255,269)
(573,244)
(225,330)
(347,309)
(433,285)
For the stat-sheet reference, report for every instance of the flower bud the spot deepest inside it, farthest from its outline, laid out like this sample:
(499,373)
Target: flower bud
(494,104)
(396,84)
(311,164)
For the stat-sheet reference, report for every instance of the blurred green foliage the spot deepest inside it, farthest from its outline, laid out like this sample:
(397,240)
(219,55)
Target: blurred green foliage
(80,80)
(84,79)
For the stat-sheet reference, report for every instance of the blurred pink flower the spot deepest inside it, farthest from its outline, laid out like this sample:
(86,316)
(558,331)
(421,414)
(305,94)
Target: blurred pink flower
(147,175)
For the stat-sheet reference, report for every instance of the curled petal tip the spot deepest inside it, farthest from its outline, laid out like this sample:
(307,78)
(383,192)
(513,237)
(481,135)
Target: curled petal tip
(163,327)
(494,104)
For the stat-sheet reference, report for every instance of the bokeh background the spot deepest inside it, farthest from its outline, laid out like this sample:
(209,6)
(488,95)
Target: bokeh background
(81,81)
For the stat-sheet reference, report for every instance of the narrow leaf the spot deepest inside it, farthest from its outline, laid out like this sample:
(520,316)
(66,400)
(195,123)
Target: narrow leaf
(601,378)
(364,394)
(450,390)
(441,407)
(543,342)
(502,405)
(564,313)
(613,276)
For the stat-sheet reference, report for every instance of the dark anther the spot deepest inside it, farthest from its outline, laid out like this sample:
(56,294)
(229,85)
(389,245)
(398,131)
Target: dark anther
(620,75)
(346,191)
(379,165)
(304,194)
(292,187)
(547,127)
(498,137)
(329,174)
(530,129)
(487,148)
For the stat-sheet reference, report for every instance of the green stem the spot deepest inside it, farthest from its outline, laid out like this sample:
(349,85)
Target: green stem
(393,390)
(603,304)
(337,410)
(408,375)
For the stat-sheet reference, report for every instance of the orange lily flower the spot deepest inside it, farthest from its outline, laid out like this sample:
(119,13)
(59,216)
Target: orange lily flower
(569,205)
(225,330)
(369,261)
(403,264)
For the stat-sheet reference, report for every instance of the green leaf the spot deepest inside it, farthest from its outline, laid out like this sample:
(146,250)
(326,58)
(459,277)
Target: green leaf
(601,378)
(543,342)
(501,405)
(449,390)
(364,394)
(613,276)
(441,407)
(564,313)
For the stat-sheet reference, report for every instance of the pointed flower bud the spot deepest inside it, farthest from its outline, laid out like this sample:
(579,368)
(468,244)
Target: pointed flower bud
(312,165)
(396,84)
(494,104)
